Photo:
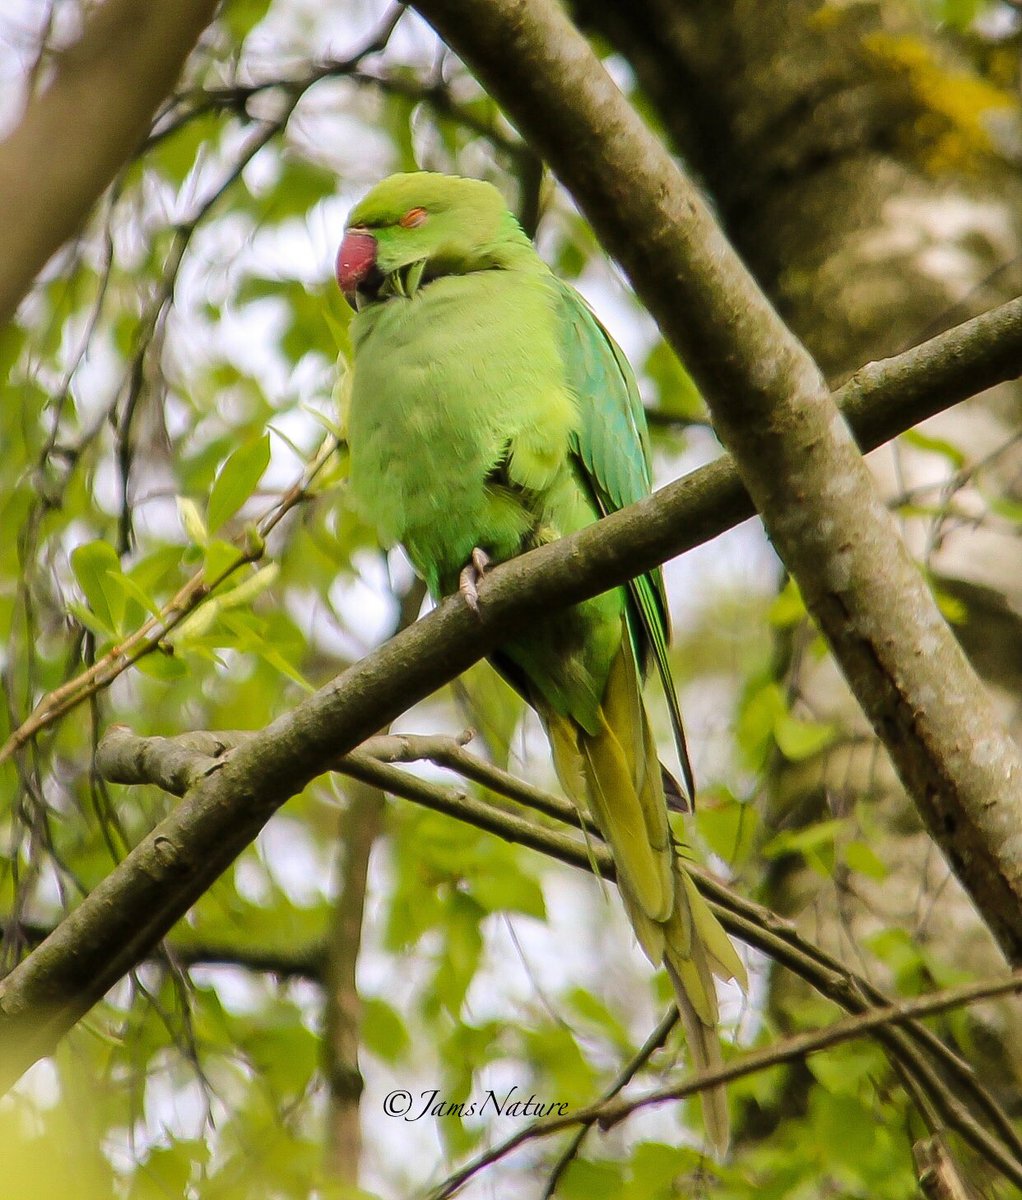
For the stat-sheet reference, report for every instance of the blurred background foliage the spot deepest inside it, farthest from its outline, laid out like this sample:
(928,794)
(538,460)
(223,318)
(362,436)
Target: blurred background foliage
(170,383)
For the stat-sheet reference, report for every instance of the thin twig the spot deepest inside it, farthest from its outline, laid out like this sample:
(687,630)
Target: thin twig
(800,1046)
(152,634)
(638,1060)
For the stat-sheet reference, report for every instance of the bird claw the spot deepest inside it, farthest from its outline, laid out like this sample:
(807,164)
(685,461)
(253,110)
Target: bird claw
(471,574)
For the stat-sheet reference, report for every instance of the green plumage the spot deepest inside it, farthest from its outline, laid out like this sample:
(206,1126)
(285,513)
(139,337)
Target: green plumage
(488,408)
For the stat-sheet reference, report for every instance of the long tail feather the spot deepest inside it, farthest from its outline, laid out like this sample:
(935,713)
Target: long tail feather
(704,1047)
(614,774)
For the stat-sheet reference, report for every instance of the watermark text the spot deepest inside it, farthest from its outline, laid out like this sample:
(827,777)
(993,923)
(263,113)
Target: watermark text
(513,1103)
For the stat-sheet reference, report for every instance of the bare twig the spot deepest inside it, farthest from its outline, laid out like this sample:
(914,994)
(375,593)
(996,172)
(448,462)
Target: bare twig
(638,1060)
(607,1114)
(188,105)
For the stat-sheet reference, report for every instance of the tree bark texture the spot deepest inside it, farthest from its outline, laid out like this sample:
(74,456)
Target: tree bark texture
(86,123)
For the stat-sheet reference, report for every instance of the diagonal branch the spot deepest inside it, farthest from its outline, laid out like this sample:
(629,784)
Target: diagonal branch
(653,1042)
(881,400)
(126,915)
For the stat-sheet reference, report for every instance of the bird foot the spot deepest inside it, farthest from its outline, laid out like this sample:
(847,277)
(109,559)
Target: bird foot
(471,574)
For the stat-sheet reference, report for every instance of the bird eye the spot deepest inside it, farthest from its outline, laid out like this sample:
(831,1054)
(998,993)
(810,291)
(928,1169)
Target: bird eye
(413,218)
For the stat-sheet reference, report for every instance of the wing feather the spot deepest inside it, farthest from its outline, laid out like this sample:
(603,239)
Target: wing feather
(612,453)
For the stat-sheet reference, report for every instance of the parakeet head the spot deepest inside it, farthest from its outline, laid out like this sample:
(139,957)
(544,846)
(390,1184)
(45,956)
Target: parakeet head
(412,228)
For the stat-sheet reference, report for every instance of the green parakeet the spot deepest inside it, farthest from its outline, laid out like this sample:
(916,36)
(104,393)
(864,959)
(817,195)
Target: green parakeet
(489,411)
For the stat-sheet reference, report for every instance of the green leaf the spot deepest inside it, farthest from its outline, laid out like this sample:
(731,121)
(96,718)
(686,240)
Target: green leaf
(242,16)
(219,556)
(236,481)
(584,1180)
(788,607)
(844,1128)
(161,568)
(158,665)
(176,155)
(844,1069)
(463,948)
(493,708)
(397,121)
(383,1031)
(935,445)
(1006,507)
(12,338)
(133,591)
(728,826)
(762,706)
(191,520)
(93,563)
(509,891)
(959,13)
(256,287)
(953,609)
(677,394)
(250,587)
(167,1170)
(899,951)
(655,1168)
(798,739)
(283,1049)
(801,841)
(861,857)
(86,617)
(592,1010)
(337,314)
(301,185)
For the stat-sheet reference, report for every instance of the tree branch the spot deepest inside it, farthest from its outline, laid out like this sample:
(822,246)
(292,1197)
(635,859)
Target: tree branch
(127,914)
(882,400)
(294,962)
(80,130)
(773,411)
(361,825)
(608,1114)
(624,1077)
(752,923)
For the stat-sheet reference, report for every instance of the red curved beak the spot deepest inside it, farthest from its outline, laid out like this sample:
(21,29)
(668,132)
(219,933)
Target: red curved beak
(355,259)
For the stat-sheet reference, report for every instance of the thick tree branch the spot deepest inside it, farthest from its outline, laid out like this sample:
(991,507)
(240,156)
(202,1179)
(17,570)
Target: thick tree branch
(880,401)
(82,128)
(773,411)
(127,914)
(292,962)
